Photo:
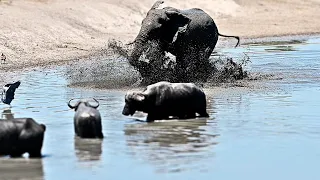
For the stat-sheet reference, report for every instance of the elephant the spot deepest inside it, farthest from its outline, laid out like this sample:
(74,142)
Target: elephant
(163,99)
(8,91)
(189,34)
(21,135)
(87,119)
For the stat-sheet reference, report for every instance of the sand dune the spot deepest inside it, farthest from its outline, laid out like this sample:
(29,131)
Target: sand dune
(42,31)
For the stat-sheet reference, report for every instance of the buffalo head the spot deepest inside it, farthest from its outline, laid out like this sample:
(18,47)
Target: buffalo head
(134,101)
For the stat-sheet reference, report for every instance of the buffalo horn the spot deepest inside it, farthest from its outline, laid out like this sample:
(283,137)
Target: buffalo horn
(96,106)
(70,106)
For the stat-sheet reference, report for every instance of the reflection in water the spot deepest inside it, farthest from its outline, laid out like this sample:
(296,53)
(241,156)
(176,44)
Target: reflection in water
(20,168)
(88,149)
(275,43)
(7,114)
(281,48)
(171,145)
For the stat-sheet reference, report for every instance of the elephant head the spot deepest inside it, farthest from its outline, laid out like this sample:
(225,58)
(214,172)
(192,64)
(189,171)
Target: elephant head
(160,25)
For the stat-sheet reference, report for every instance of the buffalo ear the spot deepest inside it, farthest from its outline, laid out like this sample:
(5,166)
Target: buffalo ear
(180,19)
(138,97)
(43,127)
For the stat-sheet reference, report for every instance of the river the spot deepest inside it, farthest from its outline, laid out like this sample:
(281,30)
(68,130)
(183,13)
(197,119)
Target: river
(269,130)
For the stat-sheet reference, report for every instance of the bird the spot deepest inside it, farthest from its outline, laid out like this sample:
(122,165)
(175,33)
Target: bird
(8,91)
(3,58)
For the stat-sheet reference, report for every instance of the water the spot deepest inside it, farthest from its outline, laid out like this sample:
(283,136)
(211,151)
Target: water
(267,133)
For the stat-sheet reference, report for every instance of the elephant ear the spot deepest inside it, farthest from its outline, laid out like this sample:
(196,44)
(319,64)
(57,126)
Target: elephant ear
(180,19)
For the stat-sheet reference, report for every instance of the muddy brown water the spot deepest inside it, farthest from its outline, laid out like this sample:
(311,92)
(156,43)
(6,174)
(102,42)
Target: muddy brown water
(270,132)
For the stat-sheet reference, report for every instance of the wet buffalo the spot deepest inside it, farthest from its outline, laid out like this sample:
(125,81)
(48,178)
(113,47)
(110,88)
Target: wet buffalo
(21,135)
(87,119)
(164,99)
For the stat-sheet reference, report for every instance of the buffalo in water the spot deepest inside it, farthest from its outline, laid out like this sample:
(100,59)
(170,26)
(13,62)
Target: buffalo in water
(21,135)
(164,99)
(87,119)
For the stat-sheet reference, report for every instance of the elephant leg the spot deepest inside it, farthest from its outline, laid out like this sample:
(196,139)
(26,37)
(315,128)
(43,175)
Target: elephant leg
(189,60)
(180,70)
(193,65)
(190,69)
(203,66)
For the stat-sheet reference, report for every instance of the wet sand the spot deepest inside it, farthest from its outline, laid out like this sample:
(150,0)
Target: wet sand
(51,32)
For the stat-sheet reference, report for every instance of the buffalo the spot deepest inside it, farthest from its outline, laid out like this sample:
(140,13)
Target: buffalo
(21,135)
(164,99)
(87,119)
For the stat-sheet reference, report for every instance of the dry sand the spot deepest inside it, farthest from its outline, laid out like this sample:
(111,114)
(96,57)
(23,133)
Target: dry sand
(41,32)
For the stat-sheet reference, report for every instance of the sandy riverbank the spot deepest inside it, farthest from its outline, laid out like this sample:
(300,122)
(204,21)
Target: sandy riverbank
(42,32)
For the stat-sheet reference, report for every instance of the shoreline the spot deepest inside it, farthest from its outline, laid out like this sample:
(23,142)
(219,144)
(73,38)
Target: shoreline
(45,33)
(103,53)
(280,38)
(245,85)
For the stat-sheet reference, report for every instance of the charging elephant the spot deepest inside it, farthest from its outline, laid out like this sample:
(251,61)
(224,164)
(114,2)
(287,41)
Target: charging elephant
(190,35)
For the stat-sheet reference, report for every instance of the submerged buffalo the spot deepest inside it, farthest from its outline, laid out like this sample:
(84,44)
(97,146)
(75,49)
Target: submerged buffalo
(87,119)
(164,99)
(21,135)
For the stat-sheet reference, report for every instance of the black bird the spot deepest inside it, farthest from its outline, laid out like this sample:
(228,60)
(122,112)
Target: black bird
(3,58)
(8,92)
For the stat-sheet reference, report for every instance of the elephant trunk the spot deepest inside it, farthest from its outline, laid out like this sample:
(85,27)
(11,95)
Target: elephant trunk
(139,45)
